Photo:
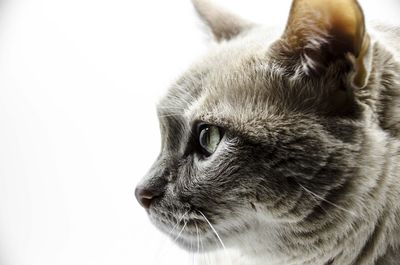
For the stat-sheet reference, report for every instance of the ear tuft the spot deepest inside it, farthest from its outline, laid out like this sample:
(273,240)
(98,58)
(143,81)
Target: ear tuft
(224,25)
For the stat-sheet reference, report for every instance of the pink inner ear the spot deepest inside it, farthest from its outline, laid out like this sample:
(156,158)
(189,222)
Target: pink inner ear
(322,32)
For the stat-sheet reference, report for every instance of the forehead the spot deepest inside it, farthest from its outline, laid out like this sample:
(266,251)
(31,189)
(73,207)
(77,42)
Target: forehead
(248,87)
(237,82)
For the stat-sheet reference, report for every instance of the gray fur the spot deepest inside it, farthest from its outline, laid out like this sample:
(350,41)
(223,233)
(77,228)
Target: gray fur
(307,172)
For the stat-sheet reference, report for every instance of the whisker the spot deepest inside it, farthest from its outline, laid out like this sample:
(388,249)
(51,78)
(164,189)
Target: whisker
(180,232)
(202,250)
(198,238)
(213,229)
(318,203)
(325,200)
(177,223)
(161,249)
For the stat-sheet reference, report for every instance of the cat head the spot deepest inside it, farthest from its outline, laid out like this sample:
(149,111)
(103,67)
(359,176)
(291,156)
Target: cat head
(265,131)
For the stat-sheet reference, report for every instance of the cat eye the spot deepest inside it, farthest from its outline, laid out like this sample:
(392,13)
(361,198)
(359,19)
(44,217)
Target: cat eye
(209,138)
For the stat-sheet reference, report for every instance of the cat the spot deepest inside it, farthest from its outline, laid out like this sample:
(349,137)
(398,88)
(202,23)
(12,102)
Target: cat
(284,147)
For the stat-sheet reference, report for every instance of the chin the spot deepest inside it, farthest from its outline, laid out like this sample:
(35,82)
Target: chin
(191,234)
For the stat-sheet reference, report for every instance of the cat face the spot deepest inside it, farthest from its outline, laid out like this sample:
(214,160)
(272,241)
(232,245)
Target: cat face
(265,131)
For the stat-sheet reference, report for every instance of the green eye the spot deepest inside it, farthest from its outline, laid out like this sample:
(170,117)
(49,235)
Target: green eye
(209,138)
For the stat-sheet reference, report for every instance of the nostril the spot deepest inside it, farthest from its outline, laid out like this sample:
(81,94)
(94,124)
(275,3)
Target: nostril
(144,196)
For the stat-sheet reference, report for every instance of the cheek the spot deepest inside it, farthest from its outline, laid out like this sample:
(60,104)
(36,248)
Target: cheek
(212,189)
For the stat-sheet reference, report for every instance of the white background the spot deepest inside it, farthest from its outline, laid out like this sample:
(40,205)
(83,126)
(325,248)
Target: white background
(79,80)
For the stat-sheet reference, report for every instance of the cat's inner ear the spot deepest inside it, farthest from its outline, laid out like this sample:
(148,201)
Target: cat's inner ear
(322,32)
(223,24)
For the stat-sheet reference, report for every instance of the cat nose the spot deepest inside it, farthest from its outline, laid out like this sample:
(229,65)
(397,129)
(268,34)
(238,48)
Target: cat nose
(145,196)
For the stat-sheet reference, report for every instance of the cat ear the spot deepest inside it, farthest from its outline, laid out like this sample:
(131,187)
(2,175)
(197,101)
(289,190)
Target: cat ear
(322,32)
(223,24)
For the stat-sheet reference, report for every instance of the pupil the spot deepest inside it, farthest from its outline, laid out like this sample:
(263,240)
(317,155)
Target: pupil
(208,137)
